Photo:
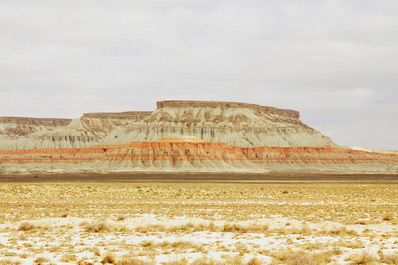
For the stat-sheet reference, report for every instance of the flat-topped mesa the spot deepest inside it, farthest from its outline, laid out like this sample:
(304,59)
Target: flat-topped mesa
(35,121)
(129,115)
(232,123)
(222,104)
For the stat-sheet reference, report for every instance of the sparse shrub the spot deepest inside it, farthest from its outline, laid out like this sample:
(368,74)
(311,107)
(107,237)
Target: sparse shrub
(212,227)
(98,226)
(147,244)
(302,258)
(10,262)
(150,228)
(388,218)
(109,258)
(206,261)
(390,259)
(9,254)
(293,258)
(131,261)
(236,260)
(182,261)
(121,217)
(254,261)
(353,244)
(26,226)
(41,260)
(68,258)
(228,227)
(336,251)
(343,231)
(96,251)
(188,227)
(363,258)
(251,228)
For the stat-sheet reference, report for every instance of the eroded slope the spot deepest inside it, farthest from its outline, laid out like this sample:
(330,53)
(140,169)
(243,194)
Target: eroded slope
(194,155)
(237,124)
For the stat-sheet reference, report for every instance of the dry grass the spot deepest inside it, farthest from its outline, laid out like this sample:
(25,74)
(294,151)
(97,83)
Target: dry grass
(166,223)
(41,261)
(238,228)
(132,261)
(109,258)
(96,226)
(10,262)
(388,258)
(68,258)
(26,226)
(290,257)
(363,258)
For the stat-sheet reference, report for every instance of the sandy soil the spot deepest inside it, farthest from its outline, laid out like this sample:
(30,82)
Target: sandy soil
(199,222)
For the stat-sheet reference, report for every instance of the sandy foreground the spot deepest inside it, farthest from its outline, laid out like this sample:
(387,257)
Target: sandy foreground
(199,222)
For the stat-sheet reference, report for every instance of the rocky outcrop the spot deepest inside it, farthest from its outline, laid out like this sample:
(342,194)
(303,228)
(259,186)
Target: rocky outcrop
(128,115)
(194,154)
(12,129)
(226,105)
(236,124)
(91,128)
(35,121)
(180,135)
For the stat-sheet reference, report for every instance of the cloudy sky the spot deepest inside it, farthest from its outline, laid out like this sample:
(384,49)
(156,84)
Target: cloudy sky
(335,61)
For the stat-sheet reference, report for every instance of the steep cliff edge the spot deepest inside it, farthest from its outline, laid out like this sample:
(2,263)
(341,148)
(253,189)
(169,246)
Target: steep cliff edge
(28,133)
(237,124)
(194,154)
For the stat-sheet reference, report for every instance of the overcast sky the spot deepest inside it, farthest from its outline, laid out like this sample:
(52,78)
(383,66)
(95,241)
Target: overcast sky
(334,61)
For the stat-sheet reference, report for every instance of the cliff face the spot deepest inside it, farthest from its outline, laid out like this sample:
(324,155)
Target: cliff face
(128,115)
(180,135)
(28,133)
(226,105)
(35,121)
(237,124)
(197,155)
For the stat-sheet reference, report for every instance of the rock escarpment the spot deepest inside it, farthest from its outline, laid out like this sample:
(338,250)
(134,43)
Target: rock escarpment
(180,135)
(192,154)
(237,124)
(91,128)
(226,105)
(128,115)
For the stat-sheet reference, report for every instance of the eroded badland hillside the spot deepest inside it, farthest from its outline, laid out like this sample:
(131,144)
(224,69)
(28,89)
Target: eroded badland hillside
(180,135)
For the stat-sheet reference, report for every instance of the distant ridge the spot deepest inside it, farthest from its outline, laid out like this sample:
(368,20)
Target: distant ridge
(233,123)
(181,135)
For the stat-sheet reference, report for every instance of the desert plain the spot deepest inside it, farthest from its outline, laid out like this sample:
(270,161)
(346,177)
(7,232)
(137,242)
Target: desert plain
(93,219)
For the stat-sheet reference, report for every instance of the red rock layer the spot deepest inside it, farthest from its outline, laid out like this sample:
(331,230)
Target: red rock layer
(220,104)
(191,152)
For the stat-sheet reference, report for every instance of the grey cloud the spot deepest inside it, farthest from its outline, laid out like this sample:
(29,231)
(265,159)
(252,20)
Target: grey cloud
(335,61)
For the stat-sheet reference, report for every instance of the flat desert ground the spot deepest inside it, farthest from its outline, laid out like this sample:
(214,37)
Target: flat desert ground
(194,220)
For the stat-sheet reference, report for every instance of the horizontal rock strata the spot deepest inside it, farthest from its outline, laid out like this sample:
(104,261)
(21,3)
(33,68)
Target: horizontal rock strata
(232,123)
(35,121)
(129,115)
(192,155)
(225,105)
